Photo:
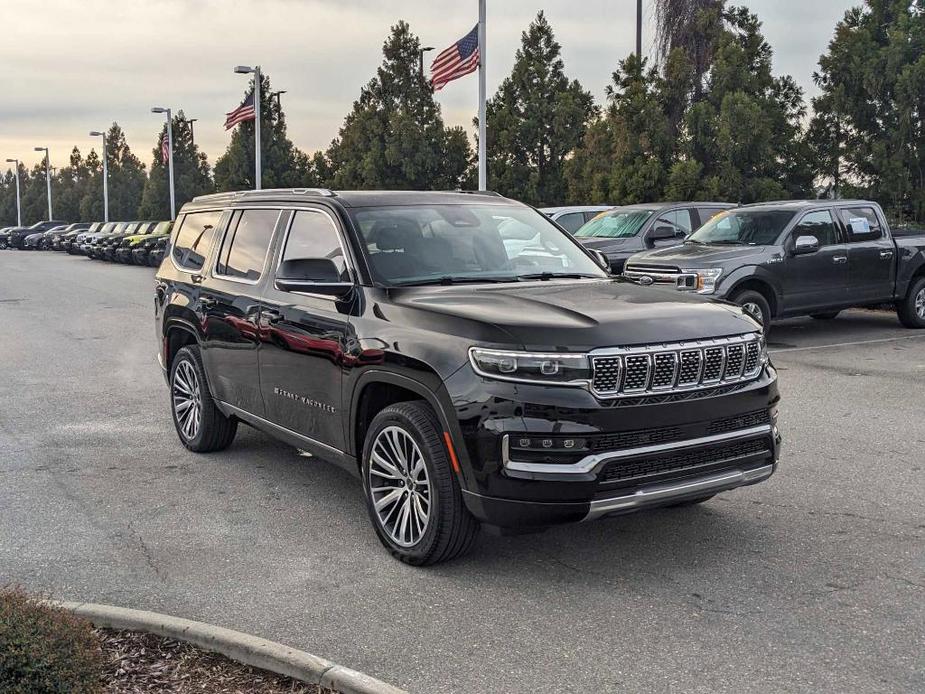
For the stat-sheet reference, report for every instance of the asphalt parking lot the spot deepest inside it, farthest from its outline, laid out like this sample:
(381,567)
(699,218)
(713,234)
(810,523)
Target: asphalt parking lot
(813,581)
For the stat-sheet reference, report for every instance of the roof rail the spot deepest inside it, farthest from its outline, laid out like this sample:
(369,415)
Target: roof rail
(231,195)
(479,192)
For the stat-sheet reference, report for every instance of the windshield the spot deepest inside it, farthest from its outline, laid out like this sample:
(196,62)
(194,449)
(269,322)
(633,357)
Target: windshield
(619,223)
(426,244)
(743,228)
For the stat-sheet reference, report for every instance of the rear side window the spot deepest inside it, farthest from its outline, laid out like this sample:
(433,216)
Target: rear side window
(313,235)
(818,224)
(244,249)
(571,222)
(862,224)
(195,238)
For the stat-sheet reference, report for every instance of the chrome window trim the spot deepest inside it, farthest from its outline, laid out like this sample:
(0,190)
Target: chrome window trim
(241,280)
(594,462)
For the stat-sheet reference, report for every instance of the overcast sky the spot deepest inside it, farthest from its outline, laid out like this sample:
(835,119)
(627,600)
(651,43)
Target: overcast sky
(71,66)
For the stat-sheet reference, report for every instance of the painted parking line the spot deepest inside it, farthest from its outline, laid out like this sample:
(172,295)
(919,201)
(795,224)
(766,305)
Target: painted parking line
(846,344)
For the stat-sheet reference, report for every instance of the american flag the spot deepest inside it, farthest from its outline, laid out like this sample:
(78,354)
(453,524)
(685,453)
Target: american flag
(165,149)
(242,113)
(459,59)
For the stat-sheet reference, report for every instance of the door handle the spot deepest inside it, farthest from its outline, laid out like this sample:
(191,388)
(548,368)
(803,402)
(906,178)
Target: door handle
(886,254)
(839,259)
(207,303)
(197,279)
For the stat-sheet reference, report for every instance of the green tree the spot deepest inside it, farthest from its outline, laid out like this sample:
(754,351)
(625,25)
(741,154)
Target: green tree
(395,136)
(868,133)
(126,181)
(191,173)
(283,166)
(535,120)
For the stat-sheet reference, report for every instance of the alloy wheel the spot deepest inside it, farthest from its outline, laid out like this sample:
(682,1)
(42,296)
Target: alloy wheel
(187,400)
(400,486)
(754,310)
(920,303)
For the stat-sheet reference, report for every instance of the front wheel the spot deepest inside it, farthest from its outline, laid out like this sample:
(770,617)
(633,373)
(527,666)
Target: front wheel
(200,425)
(911,309)
(412,493)
(755,305)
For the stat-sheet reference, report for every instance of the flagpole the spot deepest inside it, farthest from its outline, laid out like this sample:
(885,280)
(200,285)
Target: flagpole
(257,163)
(483,174)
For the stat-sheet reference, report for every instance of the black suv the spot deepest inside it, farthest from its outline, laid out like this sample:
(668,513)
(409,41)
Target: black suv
(465,377)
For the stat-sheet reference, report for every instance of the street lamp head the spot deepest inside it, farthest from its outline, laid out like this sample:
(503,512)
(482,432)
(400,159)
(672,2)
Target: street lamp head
(16,161)
(95,133)
(427,48)
(41,149)
(243,69)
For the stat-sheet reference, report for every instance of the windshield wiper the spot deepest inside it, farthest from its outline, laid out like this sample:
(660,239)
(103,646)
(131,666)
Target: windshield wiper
(730,242)
(699,243)
(447,280)
(556,275)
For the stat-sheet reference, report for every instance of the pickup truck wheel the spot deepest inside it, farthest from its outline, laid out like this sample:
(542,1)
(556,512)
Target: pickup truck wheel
(828,315)
(200,425)
(911,310)
(755,305)
(412,494)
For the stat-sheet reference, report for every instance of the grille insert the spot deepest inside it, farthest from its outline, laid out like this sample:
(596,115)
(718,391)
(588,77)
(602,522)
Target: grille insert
(660,369)
(680,461)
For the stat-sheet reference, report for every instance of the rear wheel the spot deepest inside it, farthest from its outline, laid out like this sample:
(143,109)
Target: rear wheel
(911,309)
(755,305)
(200,425)
(412,493)
(828,315)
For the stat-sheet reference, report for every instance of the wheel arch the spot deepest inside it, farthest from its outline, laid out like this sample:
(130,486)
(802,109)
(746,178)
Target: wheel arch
(762,286)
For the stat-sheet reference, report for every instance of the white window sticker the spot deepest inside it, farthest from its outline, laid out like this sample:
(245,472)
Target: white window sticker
(859,225)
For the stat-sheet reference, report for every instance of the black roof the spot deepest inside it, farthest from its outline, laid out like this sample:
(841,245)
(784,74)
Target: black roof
(351,198)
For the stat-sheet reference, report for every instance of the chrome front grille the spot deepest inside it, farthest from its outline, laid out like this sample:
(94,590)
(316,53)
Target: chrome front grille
(630,371)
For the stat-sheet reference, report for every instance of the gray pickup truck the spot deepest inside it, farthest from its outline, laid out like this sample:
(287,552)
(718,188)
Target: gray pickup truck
(783,259)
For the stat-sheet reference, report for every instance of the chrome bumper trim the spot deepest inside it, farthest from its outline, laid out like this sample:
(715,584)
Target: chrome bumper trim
(595,461)
(659,494)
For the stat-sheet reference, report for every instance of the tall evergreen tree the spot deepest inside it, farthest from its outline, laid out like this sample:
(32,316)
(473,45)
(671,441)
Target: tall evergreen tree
(869,126)
(283,166)
(395,136)
(535,120)
(191,173)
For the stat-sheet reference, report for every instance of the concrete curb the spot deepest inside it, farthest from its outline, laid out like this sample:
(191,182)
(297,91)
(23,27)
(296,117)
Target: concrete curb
(247,649)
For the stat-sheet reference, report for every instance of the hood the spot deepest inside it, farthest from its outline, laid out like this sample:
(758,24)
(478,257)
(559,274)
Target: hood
(580,315)
(691,254)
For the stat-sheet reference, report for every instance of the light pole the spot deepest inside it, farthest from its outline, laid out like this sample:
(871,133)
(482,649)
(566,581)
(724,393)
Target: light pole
(639,30)
(421,52)
(276,95)
(173,203)
(189,122)
(18,202)
(47,180)
(97,133)
(247,70)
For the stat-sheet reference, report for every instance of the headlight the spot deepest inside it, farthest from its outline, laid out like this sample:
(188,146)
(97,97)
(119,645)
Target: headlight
(763,356)
(700,280)
(531,367)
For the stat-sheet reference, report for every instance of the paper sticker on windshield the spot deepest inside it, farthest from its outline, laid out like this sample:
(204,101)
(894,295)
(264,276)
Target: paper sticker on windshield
(859,225)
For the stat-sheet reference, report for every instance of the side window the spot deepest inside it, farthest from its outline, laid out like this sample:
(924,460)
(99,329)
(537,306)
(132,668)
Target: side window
(679,220)
(818,224)
(244,249)
(571,222)
(194,238)
(313,235)
(864,225)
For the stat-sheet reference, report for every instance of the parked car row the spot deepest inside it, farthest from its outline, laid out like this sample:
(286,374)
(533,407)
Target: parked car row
(138,243)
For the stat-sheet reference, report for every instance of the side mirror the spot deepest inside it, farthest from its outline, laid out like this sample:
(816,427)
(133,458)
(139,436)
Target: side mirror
(600,259)
(311,275)
(805,245)
(663,233)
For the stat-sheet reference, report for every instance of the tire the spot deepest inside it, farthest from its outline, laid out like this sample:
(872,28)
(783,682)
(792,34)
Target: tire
(691,502)
(201,426)
(406,435)
(828,315)
(911,310)
(754,303)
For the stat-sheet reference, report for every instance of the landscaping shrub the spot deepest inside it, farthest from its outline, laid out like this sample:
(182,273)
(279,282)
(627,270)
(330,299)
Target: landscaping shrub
(44,649)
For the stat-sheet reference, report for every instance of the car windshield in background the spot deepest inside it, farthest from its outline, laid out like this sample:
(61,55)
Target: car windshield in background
(743,228)
(428,244)
(615,224)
